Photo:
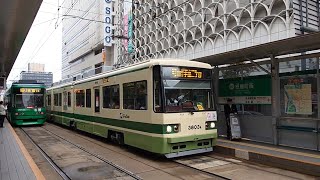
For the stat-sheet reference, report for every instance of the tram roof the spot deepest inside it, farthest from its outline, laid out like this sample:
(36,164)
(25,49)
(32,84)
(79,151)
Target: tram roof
(40,85)
(297,44)
(137,66)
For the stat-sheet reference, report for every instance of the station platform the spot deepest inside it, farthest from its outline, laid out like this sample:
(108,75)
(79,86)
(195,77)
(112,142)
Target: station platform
(294,159)
(15,161)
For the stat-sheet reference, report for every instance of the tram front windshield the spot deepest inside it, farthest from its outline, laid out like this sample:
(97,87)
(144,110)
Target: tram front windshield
(188,90)
(29,100)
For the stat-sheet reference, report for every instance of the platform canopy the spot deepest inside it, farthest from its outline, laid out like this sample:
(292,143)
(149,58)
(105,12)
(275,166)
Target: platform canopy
(16,17)
(298,44)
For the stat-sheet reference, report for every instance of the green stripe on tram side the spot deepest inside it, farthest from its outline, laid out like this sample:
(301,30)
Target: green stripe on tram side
(158,145)
(138,126)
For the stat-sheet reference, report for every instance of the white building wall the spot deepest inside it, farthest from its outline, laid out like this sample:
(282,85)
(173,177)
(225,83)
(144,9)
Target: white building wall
(198,28)
(36,67)
(185,29)
(82,35)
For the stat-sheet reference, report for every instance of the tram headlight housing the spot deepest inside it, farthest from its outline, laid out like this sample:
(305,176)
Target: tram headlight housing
(176,128)
(169,129)
(210,125)
(172,128)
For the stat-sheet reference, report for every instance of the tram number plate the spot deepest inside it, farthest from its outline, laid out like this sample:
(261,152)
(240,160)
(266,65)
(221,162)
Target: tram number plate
(193,127)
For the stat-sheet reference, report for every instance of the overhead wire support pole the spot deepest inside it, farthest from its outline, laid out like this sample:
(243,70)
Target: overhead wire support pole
(258,65)
(275,100)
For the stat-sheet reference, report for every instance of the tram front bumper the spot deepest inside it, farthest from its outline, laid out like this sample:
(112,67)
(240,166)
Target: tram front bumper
(29,120)
(192,138)
(187,153)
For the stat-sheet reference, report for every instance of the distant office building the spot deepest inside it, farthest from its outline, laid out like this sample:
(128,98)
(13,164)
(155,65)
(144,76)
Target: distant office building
(40,77)
(35,67)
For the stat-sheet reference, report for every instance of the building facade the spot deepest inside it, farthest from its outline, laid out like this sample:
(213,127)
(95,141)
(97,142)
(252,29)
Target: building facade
(83,35)
(36,67)
(186,29)
(197,28)
(86,28)
(40,77)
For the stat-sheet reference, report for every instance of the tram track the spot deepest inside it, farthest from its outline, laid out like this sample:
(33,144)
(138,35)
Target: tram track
(194,166)
(47,158)
(64,175)
(210,174)
(203,171)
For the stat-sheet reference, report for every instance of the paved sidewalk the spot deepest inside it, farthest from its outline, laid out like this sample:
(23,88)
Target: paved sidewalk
(15,162)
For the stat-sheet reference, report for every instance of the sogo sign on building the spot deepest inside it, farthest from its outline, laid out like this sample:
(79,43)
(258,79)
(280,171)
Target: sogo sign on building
(108,22)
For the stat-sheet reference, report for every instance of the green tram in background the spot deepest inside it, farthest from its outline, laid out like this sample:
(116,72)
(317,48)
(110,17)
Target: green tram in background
(25,102)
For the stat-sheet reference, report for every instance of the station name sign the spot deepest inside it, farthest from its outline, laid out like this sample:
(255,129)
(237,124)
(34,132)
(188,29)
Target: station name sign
(108,11)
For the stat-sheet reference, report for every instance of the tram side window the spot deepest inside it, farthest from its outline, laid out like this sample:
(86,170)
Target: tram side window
(88,98)
(111,97)
(80,96)
(55,99)
(157,89)
(49,100)
(60,99)
(135,95)
(69,99)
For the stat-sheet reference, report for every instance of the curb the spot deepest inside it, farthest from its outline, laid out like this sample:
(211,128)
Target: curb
(35,169)
(271,160)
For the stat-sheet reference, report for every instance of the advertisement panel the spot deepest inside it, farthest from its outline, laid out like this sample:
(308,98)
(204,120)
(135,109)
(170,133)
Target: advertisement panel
(108,22)
(128,26)
(298,99)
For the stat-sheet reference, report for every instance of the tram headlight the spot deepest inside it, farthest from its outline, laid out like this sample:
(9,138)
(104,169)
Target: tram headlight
(169,129)
(210,125)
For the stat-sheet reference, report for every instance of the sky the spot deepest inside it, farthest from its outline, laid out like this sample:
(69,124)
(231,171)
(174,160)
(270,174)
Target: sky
(43,43)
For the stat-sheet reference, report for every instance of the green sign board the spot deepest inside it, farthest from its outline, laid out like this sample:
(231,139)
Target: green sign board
(248,86)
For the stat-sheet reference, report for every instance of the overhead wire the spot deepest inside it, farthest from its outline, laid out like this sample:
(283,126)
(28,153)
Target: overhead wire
(99,21)
(36,50)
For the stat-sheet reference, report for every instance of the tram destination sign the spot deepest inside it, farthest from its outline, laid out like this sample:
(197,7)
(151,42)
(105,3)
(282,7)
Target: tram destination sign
(185,73)
(30,90)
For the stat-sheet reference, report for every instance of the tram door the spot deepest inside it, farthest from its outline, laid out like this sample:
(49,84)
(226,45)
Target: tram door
(97,100)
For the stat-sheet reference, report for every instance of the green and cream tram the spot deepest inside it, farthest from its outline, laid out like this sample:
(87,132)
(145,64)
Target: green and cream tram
(25,101)
(162,106)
